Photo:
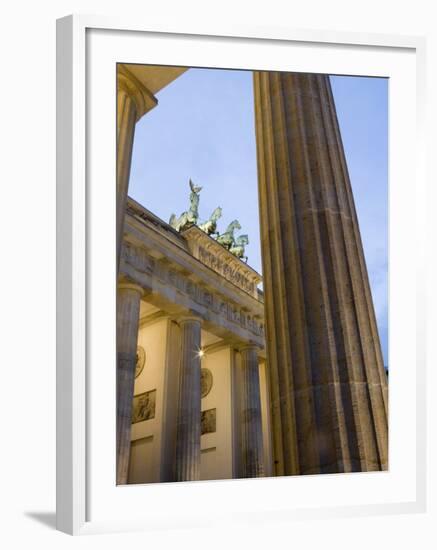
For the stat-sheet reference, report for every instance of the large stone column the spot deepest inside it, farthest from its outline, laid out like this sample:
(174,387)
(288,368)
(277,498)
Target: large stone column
(187,463)
(329,388)
(251,426)
(133,101)
(128,313)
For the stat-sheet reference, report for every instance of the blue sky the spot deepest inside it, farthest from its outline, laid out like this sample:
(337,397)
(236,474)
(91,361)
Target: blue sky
(203,128)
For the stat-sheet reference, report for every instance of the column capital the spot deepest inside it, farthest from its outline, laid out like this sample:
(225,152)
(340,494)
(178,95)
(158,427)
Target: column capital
(181,319)
(142,97)
(131,286)
(249,346)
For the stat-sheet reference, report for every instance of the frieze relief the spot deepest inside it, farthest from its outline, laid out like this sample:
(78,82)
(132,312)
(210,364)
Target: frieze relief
(142,262)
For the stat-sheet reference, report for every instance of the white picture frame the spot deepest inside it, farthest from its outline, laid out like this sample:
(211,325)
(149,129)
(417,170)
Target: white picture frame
(78,305)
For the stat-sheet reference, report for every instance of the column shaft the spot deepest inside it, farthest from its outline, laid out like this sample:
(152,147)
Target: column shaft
(128,313)
(133,101)
(251,426)
(329,388)
(187,464)
(126,119)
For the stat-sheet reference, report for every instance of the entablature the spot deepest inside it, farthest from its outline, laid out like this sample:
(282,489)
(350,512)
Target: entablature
(159,259)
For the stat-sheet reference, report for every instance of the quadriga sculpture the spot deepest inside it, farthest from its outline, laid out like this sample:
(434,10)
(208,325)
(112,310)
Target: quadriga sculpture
(226,239)
(210,226)
(189,218)
(237,249)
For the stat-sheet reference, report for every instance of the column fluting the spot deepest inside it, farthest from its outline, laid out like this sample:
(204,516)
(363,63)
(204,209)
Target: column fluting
(128,314)
(133,101)
(251,424)
(187,462)
(329,387)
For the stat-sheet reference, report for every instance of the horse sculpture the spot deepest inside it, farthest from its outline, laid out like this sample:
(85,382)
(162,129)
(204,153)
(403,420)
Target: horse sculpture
(237,249)
(210,226)
(226,239)
(189,218)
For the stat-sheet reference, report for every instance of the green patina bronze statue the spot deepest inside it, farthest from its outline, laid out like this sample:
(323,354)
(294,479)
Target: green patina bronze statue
(237,249)
(210,226)
(189,218)
(227,239)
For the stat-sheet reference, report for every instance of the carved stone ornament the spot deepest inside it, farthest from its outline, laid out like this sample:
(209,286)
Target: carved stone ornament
(141,361)
(206,382)
(208,421)
(143,407)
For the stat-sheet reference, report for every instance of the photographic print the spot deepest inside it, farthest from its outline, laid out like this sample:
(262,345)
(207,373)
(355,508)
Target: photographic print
(252,258)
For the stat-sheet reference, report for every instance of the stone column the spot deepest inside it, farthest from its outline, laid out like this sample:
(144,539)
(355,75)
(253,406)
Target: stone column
(187,463)
(329,388)
(251,425)
(133,101)
(128,313)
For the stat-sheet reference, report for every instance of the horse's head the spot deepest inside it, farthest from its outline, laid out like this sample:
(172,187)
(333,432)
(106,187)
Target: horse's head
(233,225)
(242,240)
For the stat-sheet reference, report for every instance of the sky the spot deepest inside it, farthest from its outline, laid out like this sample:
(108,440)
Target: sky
(204,129)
